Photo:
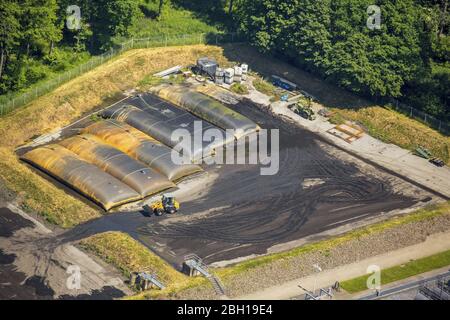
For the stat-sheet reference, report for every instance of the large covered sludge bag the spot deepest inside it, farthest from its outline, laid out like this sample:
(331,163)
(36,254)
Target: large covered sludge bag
(141,147)
(118,164)
(80,175)
(207,108)
(161,121)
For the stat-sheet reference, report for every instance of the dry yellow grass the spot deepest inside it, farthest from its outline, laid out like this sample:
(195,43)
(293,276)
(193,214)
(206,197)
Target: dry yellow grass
(68,103)
(393,127)
(128,255)
(39,195)
(82,94)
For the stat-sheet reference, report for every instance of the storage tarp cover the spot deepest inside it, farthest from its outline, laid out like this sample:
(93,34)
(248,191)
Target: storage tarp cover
(141,147)
(118,164)
(160,119)
(82,176)
(207,108)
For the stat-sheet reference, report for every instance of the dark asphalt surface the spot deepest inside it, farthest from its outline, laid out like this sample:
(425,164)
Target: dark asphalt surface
(250,212)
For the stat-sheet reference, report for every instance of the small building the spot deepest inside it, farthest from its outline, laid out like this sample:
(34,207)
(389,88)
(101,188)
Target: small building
(207,66)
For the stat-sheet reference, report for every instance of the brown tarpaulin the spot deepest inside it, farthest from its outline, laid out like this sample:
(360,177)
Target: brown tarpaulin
(82,176)
(142,179)
(141,147)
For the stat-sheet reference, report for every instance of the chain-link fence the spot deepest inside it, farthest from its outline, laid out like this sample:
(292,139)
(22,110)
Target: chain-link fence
(12,102)
(440,125)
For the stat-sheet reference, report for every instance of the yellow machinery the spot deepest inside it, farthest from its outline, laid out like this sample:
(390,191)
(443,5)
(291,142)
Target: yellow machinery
(167,204)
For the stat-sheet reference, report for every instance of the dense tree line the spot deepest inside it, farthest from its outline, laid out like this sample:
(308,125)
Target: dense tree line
(332,38)
(407,57)
(36,31)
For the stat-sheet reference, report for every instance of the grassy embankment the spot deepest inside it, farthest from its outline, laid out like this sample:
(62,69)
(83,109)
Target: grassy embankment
(323,246)
(66,104)
(173,22)
(393,127)
(239,88)
(128,255)
(401,272)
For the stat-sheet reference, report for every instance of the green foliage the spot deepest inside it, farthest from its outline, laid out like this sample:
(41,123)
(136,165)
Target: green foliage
(151,80)
(95,117)
(171,21)
(442,49)
(36,44)
(239,88)
(267,88)
(62,59)
(111,18)
(331,38)
(39,29)
(9,30)
(430,92)
(401,272)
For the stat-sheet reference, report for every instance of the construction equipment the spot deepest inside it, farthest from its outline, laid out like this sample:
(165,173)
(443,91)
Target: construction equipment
(207,67)
(422,152)
(437,162)
(283,83)
(303,111)
(167,204)
(426,154)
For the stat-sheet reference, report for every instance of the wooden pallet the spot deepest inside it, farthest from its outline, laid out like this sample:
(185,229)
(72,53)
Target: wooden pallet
(349,132)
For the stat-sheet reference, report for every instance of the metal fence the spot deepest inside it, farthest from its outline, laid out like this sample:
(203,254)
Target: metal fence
(436,289)
(440,125)
(12,102)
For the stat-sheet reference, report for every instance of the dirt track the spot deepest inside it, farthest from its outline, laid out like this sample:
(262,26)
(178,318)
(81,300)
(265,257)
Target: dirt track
(33,266)
(240,212)
(261,211)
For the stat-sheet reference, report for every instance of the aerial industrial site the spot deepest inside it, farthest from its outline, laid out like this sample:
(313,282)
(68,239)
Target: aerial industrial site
(205,168)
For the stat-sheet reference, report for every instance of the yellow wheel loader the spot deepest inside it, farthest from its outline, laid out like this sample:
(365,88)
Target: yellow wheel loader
(167,204)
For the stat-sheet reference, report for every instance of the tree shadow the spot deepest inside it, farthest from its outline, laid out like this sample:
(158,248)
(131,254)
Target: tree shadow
(267,65)
(148,12)
(211,12)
